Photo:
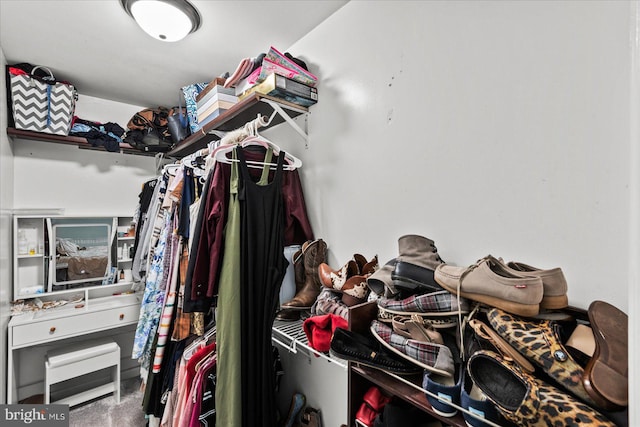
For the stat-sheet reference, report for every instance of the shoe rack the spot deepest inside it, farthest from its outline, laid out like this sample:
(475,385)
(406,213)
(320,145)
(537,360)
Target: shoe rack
(407,388)
(291,337)
(311,373)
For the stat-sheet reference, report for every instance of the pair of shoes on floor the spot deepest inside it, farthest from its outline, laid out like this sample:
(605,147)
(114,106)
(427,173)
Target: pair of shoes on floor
(603,382)
(373,402)
(310,418)
(516,288)
(351,279)
(298,400)
(368,351)
(442,391)
(526,400)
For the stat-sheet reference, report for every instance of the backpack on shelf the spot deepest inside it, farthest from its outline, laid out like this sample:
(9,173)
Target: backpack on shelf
(148,130)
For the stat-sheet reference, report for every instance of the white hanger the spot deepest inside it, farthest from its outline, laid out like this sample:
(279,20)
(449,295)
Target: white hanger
(198,343)
(290,161)
(171,168)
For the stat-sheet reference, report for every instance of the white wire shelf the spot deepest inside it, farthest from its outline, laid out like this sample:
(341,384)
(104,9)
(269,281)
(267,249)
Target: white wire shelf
(292,338)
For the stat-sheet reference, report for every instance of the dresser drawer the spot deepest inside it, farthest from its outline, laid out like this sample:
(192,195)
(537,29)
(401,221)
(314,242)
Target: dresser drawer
(77,324)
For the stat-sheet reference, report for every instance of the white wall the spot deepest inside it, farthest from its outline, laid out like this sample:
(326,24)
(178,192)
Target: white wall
(41,175)
(6,204)
(491,127)
(498,128)
(634,189)
(83,182)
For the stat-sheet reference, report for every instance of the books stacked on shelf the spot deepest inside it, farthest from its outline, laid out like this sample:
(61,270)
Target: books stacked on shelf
(280,76)
(287,89)
(214,100)
(276,62)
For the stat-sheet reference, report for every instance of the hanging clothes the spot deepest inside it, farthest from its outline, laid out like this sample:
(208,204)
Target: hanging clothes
(205,262)
(228,390)
(199,251)
(152,300)
(139,268)
(262,269)
(216,240)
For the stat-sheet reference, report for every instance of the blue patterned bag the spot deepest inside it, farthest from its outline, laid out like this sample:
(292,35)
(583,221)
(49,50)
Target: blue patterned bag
(190,92)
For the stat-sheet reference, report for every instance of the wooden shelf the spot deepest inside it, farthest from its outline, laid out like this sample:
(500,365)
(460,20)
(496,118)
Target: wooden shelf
(70,140)
(399,389)
(234,118)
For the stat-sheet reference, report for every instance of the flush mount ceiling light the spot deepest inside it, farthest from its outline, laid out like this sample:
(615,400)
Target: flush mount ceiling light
(166,20)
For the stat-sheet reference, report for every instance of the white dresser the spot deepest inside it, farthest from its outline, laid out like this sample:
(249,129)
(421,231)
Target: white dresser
(94,314)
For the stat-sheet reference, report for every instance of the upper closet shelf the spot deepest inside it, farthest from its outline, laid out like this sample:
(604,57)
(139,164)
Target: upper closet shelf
(235,117)
(69,140)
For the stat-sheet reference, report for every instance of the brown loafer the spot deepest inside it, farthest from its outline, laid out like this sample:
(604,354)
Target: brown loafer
(606,376)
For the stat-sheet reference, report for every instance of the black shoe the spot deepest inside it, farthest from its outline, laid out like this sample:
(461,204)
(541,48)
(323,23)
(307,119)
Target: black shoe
(414,279)
(368,351)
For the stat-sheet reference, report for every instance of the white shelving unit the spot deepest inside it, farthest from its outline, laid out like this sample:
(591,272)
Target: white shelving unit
(72,308)
(125,238)
(34,253)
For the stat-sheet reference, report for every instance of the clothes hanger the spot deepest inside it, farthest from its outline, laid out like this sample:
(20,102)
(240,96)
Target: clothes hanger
(207,358)
(171,168)
(255,139)
(198,343)
(263,121)
(290,162)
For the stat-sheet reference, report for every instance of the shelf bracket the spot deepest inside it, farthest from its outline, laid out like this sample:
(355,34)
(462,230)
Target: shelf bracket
(303,133)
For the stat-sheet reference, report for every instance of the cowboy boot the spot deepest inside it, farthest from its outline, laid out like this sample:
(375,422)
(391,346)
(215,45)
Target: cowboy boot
(335,279)
(299,279)
(313,254)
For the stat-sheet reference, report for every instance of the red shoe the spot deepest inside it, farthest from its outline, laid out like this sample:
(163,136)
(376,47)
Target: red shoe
(373,403)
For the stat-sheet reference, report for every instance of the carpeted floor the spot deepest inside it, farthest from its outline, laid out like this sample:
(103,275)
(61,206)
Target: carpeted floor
(106,413)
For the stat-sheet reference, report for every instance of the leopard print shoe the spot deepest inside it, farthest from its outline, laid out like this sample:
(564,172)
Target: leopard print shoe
(526,400)
(539,342)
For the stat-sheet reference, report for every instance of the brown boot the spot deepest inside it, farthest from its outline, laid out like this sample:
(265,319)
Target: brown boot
(299,279)
(313,254)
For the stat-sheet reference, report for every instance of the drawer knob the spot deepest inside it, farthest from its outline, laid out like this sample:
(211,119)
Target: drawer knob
(121,316)
(52,329)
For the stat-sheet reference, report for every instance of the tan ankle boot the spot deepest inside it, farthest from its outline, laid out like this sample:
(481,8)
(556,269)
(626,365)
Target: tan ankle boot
(313,254)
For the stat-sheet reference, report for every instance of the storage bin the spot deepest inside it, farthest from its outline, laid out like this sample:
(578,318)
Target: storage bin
(41,104)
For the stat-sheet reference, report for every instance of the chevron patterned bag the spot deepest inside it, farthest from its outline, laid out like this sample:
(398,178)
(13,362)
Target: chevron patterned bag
(42,104)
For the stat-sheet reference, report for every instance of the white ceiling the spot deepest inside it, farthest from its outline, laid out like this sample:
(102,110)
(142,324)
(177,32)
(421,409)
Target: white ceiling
(96,46)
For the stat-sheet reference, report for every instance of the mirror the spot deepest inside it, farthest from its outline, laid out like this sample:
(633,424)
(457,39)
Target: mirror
(81,250)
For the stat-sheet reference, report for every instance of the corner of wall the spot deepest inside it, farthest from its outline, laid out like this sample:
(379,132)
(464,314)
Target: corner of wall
(634,214)
(6,205)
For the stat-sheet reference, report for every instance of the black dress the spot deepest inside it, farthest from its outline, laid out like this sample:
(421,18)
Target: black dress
(263,266)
